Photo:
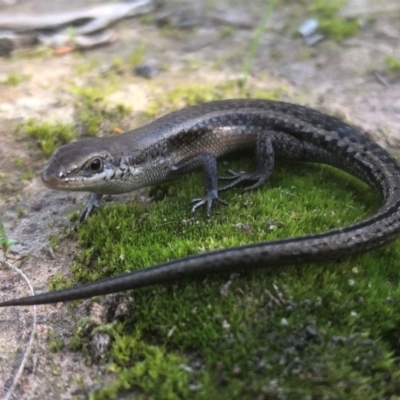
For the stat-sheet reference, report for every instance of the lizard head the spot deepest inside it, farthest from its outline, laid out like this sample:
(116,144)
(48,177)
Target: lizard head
(79,166)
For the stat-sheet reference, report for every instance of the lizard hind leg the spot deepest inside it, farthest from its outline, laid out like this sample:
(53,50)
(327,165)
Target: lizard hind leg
(265,159)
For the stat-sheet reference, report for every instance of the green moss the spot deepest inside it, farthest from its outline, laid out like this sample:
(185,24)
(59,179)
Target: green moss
(336,28)
(36,52)
(55,344)
(79,336)
(217,64)
(306,54)
(49,135)
(339,29)
(194,65)
(13,79)
(59,281)
(74,216)
(147,18)
(322,331)
(146,370)
(19,162)
(27,174)
(93,115)
(226,31)
(117,63)
(54,240)
(5,241)
(174,32)
(392,63)
(326,9)
(21,213)
(85,67)
(195,93)
(138,55)
(5,186)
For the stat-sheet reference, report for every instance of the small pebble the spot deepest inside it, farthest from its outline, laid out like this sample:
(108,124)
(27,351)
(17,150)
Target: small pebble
(148,69)
(308,27)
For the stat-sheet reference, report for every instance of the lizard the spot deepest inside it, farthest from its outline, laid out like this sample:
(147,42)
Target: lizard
(193,138)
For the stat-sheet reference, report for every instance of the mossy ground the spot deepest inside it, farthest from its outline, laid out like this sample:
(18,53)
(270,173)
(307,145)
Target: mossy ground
(315,331)
(323,331)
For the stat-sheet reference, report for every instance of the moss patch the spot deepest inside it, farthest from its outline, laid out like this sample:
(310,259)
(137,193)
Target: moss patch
(137,56)
(326,331)
(147,370)
(55,344)
(59,281)
(194,93)
(5,241)
(94,117)
(49,135)
(336,28)
(392,64)
(13,79)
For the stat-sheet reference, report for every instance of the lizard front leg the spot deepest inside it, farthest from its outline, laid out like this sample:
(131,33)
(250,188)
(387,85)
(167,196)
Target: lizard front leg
(208,162)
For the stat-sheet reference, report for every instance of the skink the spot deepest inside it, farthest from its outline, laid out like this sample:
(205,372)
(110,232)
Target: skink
(193,138)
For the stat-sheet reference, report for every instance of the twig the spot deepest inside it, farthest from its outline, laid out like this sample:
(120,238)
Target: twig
(256,42)
(381,79)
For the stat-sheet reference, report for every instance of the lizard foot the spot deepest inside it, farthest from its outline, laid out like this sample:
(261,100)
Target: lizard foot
(237,177)
(92,205)
(208,200)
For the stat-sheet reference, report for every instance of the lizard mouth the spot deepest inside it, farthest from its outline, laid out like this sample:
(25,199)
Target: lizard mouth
(50,180)
(62,182)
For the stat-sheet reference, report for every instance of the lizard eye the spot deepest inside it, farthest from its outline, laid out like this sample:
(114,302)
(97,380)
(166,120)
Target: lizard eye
(95,165)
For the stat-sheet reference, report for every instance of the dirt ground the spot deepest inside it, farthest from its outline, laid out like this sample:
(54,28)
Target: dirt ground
(343,79)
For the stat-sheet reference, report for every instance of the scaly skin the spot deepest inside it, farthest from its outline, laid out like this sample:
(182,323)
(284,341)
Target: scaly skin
(193,138)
